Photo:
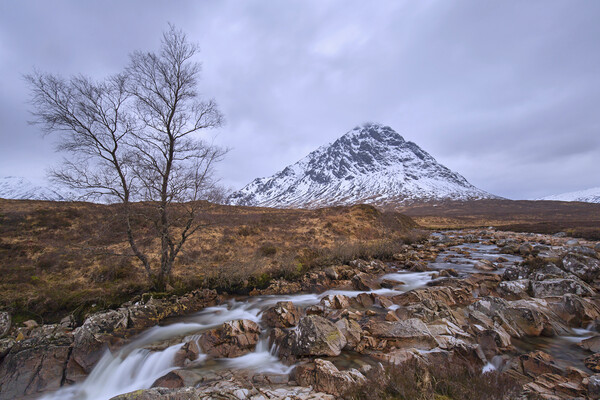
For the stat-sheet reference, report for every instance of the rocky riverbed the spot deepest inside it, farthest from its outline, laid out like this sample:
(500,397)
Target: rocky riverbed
(523,305)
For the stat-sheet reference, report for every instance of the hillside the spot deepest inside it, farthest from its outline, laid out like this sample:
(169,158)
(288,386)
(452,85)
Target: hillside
(588,196)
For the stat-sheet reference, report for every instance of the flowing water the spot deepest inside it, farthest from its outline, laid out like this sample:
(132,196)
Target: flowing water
(137,366)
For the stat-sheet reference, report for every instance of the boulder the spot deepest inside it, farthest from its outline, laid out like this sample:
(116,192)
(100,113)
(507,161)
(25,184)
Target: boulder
(538,363)
(5,323)
(559,287)
(317,336)
(514,290)
(172,380)
(232,339)
(411,333)
(283,315)
(325,377)
(584,267)
(575,311)
(362,281)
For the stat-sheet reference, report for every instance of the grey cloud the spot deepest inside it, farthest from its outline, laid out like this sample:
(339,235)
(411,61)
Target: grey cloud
(503,92)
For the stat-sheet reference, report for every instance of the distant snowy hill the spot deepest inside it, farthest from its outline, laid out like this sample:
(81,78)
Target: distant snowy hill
(369,164)
(18,188)
(588,196)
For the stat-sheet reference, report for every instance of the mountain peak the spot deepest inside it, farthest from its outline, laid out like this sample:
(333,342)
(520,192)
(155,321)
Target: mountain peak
(371,163)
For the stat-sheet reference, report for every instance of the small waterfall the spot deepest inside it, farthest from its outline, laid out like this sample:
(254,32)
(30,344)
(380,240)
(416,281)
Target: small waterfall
(120,373)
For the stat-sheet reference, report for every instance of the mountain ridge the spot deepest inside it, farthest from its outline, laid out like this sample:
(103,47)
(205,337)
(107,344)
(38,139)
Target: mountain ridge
(591,195)
(371,163)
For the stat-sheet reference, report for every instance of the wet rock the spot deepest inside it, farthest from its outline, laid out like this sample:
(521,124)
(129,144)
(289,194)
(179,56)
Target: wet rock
(575,311)
(5,323)
(485,265)
(538,363)
(593,362)
(187,354)
(90,339)
(351,331)
(336,301)
(325,377)
(317,336)
(35,365)
(408,333)
(514,290)
(172,380)
(362,281)
(448,296)
(549,271)
(597,247)
(584,267)
(525,249)
(389,284)
(559,287)
(232,339)
(366,300)
(517,318)
(283,315)
(591,344)
(594,386)
(553,386)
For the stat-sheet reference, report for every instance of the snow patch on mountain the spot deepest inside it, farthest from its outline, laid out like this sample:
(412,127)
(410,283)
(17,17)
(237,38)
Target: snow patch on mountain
(591,195)
(369,164)
(19,188)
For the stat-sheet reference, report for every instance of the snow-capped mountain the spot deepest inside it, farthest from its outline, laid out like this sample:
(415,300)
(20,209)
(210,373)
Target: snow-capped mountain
(18,188)
(369,164)
(588,196)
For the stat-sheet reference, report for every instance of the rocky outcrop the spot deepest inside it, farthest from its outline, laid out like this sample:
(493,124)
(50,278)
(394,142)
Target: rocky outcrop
(411,333)
(325,377)
(232,339)
(36,364)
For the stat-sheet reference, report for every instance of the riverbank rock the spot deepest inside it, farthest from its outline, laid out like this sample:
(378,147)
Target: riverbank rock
(325,377)
(283,315)
(35,364)
(232,339)
(559,287)
(411,333)
(317,336)
(584,267)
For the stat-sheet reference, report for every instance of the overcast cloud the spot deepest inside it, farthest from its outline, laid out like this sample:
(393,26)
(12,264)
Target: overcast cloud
(506,93)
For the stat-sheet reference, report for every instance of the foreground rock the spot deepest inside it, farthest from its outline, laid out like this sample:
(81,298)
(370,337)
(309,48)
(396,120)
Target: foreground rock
(4,323)
(325,377)
(227,390)
(232,339)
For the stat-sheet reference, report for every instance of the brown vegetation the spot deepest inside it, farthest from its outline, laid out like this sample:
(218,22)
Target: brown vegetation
(549,217)
(57,258)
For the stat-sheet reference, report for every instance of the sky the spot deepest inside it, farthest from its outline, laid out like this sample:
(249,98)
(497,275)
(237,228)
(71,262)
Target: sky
(506,93)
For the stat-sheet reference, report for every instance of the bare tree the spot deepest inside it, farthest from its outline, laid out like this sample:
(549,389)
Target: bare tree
(134,137)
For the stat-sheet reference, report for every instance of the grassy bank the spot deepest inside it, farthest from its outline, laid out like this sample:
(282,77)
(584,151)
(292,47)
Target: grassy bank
(61,258)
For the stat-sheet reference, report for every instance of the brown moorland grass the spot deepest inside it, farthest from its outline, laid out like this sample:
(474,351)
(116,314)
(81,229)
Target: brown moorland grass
(575,218)
(58,258)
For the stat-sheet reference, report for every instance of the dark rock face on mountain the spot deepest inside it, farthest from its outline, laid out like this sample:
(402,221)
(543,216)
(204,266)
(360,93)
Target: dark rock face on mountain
(370,164)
